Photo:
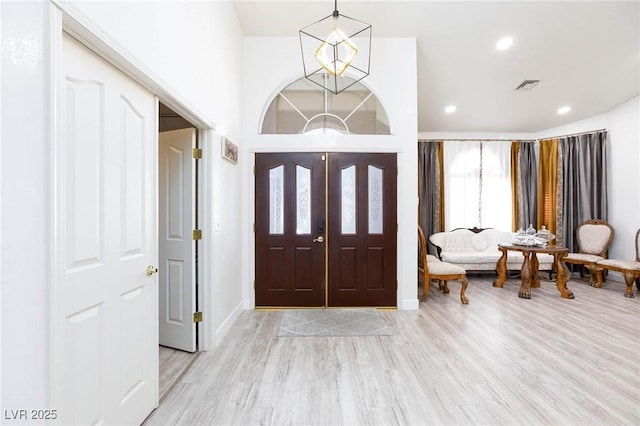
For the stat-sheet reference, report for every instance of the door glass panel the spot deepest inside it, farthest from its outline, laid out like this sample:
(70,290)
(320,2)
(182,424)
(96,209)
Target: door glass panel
(276,201)
(303,200)
(348,200)
(375,200)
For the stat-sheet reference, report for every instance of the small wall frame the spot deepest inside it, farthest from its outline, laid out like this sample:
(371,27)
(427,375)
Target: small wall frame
(229,151)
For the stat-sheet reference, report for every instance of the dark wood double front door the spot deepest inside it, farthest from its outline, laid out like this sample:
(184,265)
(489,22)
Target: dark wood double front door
(326,229)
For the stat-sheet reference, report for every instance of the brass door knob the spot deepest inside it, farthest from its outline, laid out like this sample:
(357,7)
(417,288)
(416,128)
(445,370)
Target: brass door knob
(320,239)
(151,270)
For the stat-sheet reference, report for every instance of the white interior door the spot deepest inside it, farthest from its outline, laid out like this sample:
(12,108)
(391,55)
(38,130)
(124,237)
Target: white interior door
(106,329)
(177,247)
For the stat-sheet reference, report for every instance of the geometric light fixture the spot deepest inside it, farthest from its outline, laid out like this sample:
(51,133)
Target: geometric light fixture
(334,46)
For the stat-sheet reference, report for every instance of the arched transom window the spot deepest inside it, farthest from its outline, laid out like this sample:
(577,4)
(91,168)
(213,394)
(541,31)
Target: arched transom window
(305,108)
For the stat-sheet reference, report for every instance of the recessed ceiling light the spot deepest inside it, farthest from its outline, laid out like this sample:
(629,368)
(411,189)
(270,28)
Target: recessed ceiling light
(450,109)
(564,110)
(504,43)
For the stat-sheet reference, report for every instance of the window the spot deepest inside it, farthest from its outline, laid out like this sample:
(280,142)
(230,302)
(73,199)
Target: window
(477,184)
(305,108)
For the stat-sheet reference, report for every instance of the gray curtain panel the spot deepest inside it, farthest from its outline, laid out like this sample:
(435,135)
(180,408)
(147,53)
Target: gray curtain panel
(429,176)
(527,185)
(582,183)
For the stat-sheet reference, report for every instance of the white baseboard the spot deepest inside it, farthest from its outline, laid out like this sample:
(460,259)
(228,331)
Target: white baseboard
(409,305)
(226,324)
(248,305)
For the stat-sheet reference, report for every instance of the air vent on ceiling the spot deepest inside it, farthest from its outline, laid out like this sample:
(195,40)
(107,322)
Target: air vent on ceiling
(527,85)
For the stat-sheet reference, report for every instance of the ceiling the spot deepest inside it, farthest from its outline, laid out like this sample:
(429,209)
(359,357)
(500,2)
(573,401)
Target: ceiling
(586,55)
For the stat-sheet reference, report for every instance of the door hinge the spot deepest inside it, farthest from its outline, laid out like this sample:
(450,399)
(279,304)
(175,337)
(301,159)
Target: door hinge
(254,170)
(197,317)
(197,153)
(197,234)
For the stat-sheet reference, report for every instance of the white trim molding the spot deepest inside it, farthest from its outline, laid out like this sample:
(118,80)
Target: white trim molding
(82,28)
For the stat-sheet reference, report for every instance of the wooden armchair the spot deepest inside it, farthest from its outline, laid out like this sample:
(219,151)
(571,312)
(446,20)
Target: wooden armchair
(630,270)
(433,268)
(594,238)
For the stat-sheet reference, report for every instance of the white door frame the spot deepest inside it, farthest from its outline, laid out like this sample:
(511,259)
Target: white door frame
(66,17)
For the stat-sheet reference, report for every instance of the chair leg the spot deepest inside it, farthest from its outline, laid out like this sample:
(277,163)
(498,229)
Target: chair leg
(629,278)
(595,276)
(464,283)
(425,287)
(445,287)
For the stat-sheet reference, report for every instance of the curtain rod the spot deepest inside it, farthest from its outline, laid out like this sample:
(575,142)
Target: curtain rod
(477,140)
(513,139)
(574,134)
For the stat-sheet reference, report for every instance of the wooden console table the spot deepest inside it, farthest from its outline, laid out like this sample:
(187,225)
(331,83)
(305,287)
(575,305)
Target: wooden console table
(529,272)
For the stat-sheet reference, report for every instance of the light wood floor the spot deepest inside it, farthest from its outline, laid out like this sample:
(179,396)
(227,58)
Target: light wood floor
(173,364)
(500,360)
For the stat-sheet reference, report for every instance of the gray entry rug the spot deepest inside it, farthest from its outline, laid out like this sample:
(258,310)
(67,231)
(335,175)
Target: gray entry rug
(333,322)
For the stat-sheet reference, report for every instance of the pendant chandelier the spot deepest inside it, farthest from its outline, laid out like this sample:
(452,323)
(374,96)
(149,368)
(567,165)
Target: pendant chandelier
(334,46)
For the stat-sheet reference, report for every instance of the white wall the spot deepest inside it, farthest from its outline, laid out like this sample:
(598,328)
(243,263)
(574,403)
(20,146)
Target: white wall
(510,136)
(226,297)
(623,125)
(624,182)
(203,69)
(393,79)
(1,404)
(1,240)
(25,176)
(193,47)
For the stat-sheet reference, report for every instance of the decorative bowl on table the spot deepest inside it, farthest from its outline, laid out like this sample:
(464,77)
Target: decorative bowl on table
(527,241)
(531,238)
(544,236)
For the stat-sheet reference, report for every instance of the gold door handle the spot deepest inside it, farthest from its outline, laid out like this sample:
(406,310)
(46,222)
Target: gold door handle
(320,239)
(151,270)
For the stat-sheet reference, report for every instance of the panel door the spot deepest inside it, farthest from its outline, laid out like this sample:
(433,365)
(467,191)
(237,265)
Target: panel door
(359,237)
(290,227)
(176,189)
(106,316)
(362,229)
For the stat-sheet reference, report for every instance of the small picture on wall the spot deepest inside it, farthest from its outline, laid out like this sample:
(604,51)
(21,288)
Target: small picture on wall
(229,150)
